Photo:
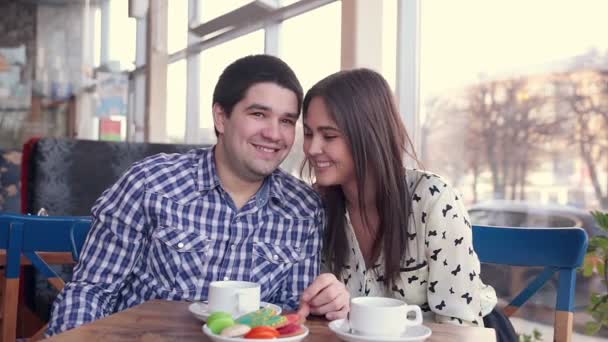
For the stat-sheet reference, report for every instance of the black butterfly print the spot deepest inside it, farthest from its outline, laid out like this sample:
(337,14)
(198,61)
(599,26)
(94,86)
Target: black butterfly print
(475,322)
(456,198)
(451,291)
(410,236)
(367,291)
(472,275)
(409,261)
(440,306)
(455,272)
(432,233)
(433,190)
(353,249)
(426,243)
(424,217)
(432,287)
(364,271)
(427,176)
(396,289)
(470,251)
(360,287)
(445,211)
(480,314)
(454,318)
(435,254)
(425,307)
(467,223)
(455,216)
(445,262)
(423,282)
(347,279)
(411,184)
(411,279)
(443,235)
(346,267)
(380,279)
(417,198)
(467,297)
(458,241)
(357,267)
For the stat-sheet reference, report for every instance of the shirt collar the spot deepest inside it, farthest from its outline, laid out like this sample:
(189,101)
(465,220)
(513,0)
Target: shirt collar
(209,179)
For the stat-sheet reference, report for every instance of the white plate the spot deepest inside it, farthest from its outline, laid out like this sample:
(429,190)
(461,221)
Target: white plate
(200,310)
(218,338)
(416,333)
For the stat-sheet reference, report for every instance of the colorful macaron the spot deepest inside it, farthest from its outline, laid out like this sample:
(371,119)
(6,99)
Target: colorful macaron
(262,332)
(218,321)
(237,330)
(263,317)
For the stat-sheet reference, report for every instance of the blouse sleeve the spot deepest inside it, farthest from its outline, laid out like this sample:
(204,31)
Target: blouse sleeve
(454,288)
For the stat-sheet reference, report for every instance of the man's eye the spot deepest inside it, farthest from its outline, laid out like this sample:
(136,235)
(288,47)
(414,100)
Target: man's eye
(258,114)
(330,137)
(288,122)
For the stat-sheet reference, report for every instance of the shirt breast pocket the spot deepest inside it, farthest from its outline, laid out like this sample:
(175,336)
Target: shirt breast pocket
(271,264)
(178,257)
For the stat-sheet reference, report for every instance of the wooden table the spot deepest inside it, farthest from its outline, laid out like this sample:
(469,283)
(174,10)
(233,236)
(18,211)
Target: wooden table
(160,320)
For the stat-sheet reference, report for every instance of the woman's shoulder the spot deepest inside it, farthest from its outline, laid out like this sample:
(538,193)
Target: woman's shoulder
(423,179)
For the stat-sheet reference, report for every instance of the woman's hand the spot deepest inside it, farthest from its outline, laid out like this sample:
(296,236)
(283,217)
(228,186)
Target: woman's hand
(326,296)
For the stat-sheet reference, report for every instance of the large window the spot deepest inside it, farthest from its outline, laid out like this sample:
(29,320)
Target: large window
(514,110)
(310,44)
(213,62)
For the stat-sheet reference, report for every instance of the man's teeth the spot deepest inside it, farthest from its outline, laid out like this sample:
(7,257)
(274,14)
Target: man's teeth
(269,150)
(323,164)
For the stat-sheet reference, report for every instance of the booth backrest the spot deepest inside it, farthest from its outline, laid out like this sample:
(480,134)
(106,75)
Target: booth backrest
(66,176)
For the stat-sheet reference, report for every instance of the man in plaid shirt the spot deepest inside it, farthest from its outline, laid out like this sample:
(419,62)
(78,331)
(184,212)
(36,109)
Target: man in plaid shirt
(174,223)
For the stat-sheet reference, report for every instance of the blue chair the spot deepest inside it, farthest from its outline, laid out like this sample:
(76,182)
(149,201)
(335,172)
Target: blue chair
(558,250)
(39,241)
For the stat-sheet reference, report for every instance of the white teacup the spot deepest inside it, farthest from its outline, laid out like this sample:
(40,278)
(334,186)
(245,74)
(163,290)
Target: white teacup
(381,316)
(235,297)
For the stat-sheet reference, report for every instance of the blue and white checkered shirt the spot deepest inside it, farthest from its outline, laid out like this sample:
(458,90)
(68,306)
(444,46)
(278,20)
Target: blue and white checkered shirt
(167,229)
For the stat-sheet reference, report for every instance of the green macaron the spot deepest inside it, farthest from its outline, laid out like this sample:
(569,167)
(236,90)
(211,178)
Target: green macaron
(218,321)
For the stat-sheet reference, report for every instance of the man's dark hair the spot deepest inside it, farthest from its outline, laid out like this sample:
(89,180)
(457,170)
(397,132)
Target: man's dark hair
(239,76)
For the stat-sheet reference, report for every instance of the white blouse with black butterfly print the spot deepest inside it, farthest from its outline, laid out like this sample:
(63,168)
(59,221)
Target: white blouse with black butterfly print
(440,271)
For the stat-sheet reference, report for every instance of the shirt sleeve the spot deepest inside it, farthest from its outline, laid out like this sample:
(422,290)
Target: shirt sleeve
(302,273)
(454,290)
(111,249)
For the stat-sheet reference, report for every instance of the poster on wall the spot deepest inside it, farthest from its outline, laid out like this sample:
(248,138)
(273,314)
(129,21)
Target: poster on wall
(109,130)
(112,94)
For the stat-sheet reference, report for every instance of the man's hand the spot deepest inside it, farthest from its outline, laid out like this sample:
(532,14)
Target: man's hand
(325,296)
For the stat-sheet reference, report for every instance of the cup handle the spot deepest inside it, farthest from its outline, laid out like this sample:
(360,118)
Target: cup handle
(415,321)
(241,298)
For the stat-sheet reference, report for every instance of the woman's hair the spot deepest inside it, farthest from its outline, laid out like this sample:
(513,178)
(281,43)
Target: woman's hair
(361,103)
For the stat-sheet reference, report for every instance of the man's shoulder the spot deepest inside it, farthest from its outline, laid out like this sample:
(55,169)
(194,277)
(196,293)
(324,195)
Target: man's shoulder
(297,193)
(170,161)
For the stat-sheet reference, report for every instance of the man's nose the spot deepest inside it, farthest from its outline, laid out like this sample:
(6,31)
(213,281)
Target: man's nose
(272,131)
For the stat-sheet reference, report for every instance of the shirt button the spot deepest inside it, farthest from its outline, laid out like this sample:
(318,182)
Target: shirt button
(232,246)
(180,245)
(275,257)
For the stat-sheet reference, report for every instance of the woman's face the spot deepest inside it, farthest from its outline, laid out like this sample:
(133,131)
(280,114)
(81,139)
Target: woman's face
(325,146)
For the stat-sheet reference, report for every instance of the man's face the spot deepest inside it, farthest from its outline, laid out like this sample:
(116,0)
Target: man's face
(260,131)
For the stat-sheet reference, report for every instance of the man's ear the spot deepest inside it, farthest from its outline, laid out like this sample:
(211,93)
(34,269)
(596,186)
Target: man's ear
(219,117)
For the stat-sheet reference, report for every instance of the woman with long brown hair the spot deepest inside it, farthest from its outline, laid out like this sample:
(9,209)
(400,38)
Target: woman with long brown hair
(392,231)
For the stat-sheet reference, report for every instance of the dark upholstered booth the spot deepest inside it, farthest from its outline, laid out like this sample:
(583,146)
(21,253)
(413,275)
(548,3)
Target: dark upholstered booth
(65,177)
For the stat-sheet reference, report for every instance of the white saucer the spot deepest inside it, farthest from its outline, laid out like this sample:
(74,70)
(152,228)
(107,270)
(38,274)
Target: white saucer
(218,338)
(416,333)
(200,310)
